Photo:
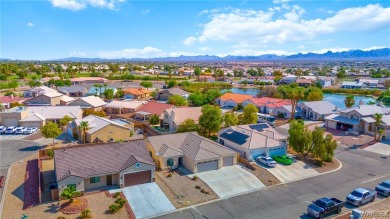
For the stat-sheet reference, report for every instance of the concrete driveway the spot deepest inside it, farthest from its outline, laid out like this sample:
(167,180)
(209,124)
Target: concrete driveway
(296,171)
(146,200)
(230,181)
(382,148)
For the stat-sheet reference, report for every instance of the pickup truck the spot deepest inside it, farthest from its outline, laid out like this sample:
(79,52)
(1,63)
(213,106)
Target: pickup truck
(361,196)
(323,206)
(383,188)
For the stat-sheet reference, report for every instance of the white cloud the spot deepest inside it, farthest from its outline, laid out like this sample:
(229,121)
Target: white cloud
(76,5)
(373,48)
(30,24)
(262,27)
(189,41)
(280,1)
(301,47)
(205,49)
(146,52)
(77,54)
(145,12)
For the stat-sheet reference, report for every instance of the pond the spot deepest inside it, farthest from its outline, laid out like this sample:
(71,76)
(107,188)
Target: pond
(336,99)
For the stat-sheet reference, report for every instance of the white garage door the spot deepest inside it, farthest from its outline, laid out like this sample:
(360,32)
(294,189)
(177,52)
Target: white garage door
(331,124)
(228,161)
(10,122)
(206,166)
(278,151)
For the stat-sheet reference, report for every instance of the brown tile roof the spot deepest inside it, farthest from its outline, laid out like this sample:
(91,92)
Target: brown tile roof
(303,81)
(99,159)
(154,107)
(238,98)
(8,99)
(136,91)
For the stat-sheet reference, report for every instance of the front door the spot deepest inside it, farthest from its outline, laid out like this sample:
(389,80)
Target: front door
(109,180)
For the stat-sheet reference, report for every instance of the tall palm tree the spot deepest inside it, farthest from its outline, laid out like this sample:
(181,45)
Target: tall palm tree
(378,121)
(380,132)
(349,101)
(84,126)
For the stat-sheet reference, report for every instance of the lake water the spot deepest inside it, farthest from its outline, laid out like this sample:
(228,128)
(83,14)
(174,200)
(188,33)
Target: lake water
(336,99)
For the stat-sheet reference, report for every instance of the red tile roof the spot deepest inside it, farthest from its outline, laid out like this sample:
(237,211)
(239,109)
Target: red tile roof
(238,98)
(270,102)
(154,107)
(8,99)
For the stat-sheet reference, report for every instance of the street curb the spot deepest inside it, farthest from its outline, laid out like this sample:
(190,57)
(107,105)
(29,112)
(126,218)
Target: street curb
(243,193)
(5,190)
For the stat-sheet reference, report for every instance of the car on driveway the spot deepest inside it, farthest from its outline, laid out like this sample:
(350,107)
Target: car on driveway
(383,188)
(323,206)
(283,160)
(2,129)
(268,161)
(361,196)
(30,130)
(10,130)
(20,130)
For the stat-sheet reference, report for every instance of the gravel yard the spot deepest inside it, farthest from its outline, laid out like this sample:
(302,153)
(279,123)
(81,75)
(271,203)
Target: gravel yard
(13,203)
(181,191)
(264,176)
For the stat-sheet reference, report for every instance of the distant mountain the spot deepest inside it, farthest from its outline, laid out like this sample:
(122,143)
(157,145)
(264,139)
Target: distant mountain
(383,54)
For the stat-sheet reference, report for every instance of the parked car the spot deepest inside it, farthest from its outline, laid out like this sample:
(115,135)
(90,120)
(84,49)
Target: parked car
(30,130)
(2,129)
(283,160)
(361,196)
(268,161)
(20,130)
(10,130)
(323,206)
(383,188)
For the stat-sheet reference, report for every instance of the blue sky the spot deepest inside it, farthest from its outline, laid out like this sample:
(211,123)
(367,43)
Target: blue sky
(50,29)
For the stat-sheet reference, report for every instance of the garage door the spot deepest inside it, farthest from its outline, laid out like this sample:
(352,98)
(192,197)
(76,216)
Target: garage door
(206,166)
(331,124)
(164,96)
(132,179)
(280,151)
(11,122)
(228,161)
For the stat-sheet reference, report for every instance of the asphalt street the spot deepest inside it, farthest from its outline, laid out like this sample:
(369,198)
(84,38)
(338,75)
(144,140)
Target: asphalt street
(360,169)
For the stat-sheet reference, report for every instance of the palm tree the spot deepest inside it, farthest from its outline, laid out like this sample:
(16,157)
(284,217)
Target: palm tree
(380,131)
(378,121)
(84,126)
(349,101)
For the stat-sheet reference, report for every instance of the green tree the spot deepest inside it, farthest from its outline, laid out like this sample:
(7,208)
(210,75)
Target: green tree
(188,125)
(249,115)
(299,137)
(13,84)
(294,94)
(65,120)
(277,73)
(341,72)
(230,119)
(120,93)
(154,119)
(109,94)
(33,83)
(177,100)
(146,84)
(378,121)
(211,95)
(314,94)
(197,99)
(172,83)
(70,193)
(83,127)
(210,120)
(197,72)
(50,130)
(349,100)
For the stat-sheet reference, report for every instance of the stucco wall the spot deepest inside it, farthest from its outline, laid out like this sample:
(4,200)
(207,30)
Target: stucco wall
(71,180)
(102,183)
(111,131)
(234,147)
(133,169)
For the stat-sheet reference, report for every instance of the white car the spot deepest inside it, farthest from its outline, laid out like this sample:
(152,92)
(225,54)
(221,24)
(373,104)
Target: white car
(30,130)
(10,130)
(268,161)
(20,130)
(2,129)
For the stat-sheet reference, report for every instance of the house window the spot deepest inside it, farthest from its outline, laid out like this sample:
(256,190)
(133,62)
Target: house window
(137,165)
(370,127)
(170,162)
(94,180)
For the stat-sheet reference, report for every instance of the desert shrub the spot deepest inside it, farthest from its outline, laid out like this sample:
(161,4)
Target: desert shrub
(194,178)
(120,201)
(169,175)
(117,194)
(50,153)
(197,187)
(114,208)
(86,213)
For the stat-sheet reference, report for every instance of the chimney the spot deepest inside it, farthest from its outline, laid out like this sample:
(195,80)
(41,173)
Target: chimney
(361,102)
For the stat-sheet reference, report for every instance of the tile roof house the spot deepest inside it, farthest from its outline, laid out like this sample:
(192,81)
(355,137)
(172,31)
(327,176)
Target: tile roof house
(150,108)
(174,117)
(84,80)
(352,85)
(189,150)
(96,91)
(121,107)
(98,166)
(304,82)
(285,111)
(100,130)
(254,140)
(232,99)
(89,102)
(165,94)
(267,104)
(316,110)
(6,101)
(136,93)
(48,99)
(33,92)
(73,91)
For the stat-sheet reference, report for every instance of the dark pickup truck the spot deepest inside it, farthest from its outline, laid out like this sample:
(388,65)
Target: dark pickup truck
(323,206)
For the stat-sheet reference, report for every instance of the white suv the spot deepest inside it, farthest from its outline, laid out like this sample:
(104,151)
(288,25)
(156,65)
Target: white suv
(10,130)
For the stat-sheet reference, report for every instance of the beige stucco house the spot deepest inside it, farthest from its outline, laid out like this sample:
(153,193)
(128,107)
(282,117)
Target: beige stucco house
(174,117)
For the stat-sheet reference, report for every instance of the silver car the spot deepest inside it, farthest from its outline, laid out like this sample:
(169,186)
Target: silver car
(30,130)
(268,161)
(2,129)
(20,130)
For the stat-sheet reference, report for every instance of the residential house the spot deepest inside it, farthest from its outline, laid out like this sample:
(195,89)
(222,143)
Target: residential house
(316,110)
(136,93)
(100,130)
(49,99)
(150,108)
(38,116)
(254,140)
(232,99)
(266,105)
(103,166)
(36,91)
(386,126)
(304,82)
(85,80)
(96,91)
(205,78)
(189,150)
(289,79)
(325,82)
(90,102)
(166,93)
(266,79)
(6,101)
(285,111)
(352,85)
(73,91)
(369,83)
(122,107)
(174,117)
